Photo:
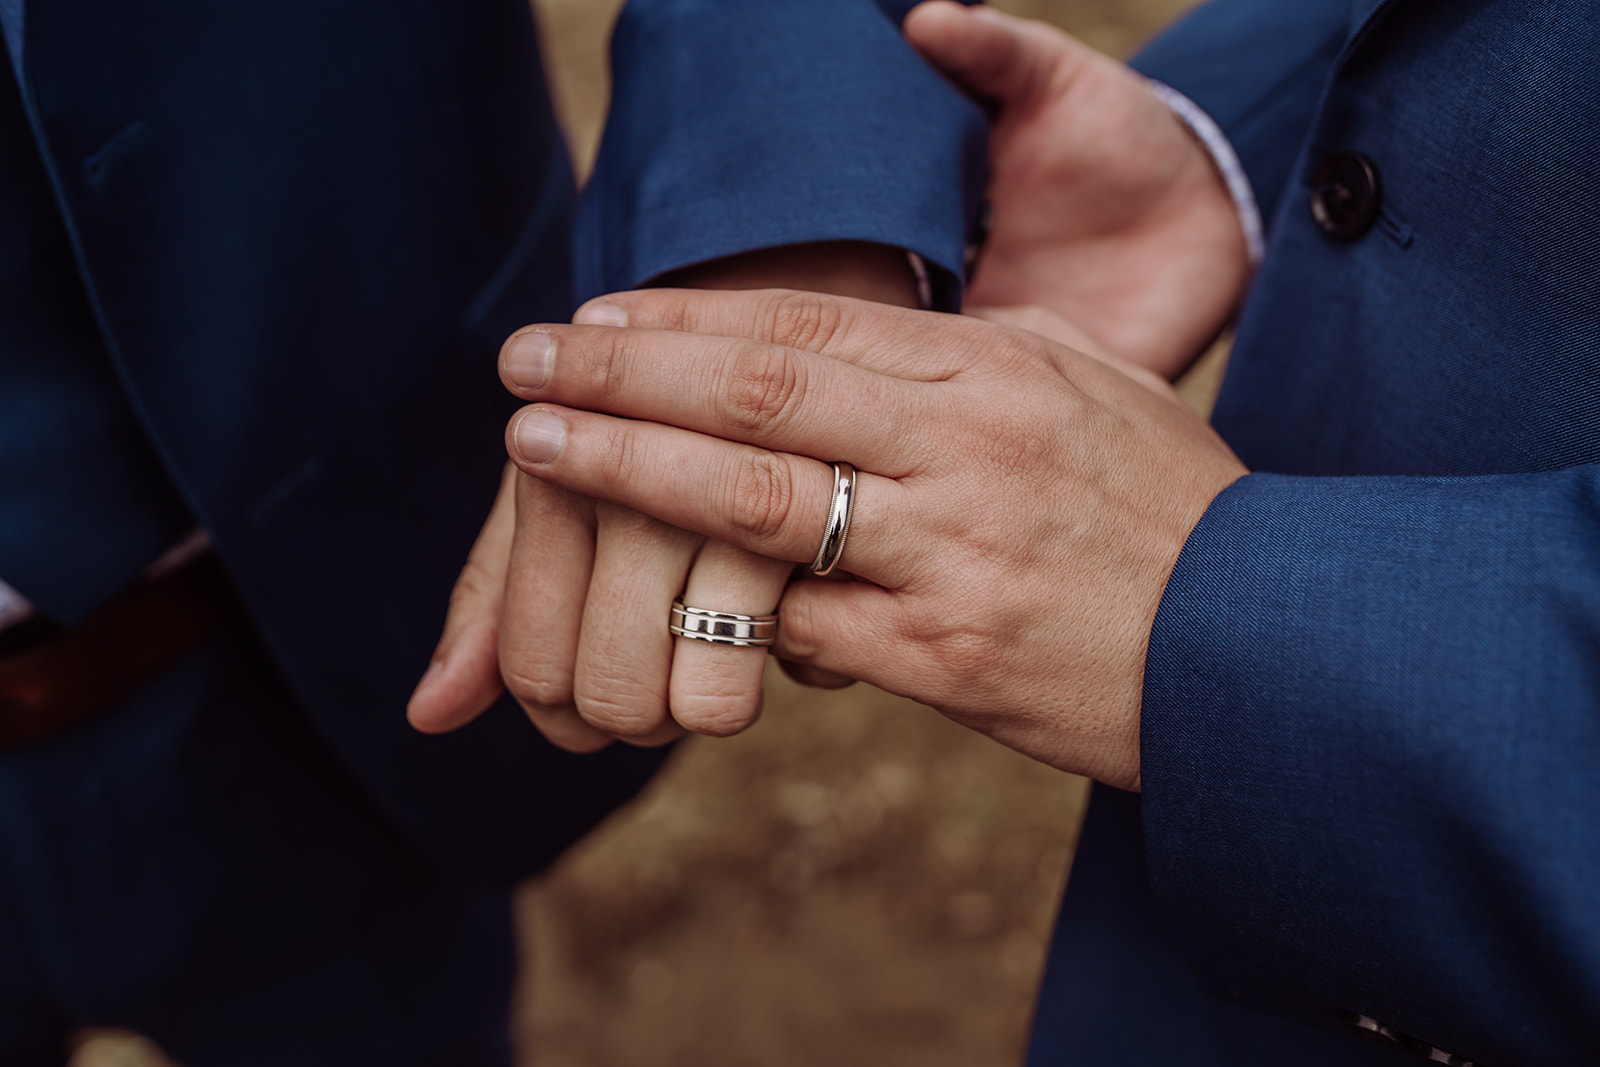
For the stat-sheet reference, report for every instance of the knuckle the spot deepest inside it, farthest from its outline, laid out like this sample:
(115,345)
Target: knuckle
(717,714)
(666,309)
(765,385)
(539,688)
(634,534)
(620,709)
(609,356)
(762,491)
(617,460)
(477,589)
(719,694)
(804,320)
(564,729)
(801,632)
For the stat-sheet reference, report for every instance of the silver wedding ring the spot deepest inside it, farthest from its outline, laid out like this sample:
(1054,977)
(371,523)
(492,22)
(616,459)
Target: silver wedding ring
(723,627)
(838,528)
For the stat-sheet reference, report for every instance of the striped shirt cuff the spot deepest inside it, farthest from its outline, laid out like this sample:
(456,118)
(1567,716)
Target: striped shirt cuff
(1216,144)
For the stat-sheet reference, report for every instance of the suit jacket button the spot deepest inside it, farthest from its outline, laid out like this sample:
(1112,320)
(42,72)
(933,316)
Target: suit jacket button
(1345,193)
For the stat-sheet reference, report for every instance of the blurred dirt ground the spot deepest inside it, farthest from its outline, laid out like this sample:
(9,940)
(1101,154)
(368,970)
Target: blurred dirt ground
(855,881)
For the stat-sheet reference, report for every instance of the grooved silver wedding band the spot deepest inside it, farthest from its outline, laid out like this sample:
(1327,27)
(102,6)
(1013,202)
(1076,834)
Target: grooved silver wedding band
(838,528)
(723,627)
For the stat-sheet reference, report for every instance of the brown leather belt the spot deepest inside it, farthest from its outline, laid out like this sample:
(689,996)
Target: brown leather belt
(53,677)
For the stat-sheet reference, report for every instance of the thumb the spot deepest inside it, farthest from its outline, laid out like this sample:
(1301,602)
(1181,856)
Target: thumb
(464,677)
(988,53)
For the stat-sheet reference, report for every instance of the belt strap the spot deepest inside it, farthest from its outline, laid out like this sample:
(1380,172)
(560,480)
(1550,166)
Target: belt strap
(52,678)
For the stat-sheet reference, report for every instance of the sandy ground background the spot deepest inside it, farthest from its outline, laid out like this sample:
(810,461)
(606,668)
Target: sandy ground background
(855,881)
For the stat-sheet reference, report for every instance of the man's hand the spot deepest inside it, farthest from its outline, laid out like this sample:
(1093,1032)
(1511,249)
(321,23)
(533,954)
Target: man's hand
(1105,209)
(531,565)
(566,601)
(1019,505)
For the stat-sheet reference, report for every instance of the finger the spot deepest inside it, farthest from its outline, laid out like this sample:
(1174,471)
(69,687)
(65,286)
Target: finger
(742,390)
(547,581)
(848,630)
(899,342)
(771,503)
(716,689)
(815,677)
(805,674)
(1013,61)
(625,655)
(463,678)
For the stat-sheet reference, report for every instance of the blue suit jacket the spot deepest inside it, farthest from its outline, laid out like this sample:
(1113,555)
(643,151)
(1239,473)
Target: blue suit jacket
(1371,737)
(307,225)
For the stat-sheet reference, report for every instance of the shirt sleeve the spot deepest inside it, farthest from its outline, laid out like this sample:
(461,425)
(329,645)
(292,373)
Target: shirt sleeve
(744,124)
(1226,160)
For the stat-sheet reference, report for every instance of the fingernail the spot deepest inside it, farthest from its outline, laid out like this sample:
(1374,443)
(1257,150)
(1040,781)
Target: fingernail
(529,359)
(601,313)
(539,436)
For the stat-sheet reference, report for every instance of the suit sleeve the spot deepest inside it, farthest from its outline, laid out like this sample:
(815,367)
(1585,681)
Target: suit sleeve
(744,124)
(1257,68)
(1371,756)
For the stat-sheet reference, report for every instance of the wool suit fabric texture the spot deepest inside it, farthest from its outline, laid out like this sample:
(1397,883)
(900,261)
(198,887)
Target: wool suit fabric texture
(1371,726)
(276,247)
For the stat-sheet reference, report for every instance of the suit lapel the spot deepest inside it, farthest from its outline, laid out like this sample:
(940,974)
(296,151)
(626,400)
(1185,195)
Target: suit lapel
(1361,11)
(1364,15)
(11,22)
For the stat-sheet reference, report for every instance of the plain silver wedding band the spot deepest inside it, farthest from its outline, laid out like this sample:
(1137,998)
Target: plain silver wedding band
(838,528)
(723,627)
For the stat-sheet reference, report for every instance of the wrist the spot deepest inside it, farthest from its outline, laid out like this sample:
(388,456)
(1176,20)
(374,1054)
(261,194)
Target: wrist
(1225,166)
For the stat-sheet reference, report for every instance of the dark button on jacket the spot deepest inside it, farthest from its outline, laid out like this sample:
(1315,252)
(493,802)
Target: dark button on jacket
(1345,193)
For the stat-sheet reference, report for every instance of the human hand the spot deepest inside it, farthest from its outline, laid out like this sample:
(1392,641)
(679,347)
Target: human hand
(521,596)
(565,600)
(1019,506)
(1105,209)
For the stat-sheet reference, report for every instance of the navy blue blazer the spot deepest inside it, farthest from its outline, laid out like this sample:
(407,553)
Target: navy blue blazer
(307,225)
(1371,735)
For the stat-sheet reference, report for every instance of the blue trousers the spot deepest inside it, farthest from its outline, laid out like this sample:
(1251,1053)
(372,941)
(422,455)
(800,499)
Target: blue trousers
(198,868)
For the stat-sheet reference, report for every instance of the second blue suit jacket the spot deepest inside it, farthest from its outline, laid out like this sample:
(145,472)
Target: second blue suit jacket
(1371,735)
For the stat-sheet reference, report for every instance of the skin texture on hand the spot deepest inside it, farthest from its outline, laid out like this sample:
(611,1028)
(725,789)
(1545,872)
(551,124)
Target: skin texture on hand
(564,600)
(1104,208)
(1019,508)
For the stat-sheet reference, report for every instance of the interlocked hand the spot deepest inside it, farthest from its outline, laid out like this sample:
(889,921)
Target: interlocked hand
(1019,504)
